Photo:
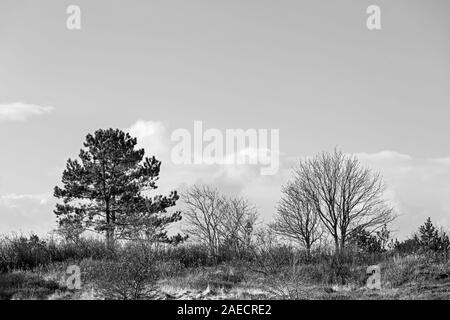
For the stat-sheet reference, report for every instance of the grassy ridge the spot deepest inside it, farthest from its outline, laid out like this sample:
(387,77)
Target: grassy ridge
(33,268)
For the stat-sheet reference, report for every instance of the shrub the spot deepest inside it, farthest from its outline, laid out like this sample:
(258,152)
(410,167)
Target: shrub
(286,286)
(27,253)
(189,256)
(25,286)
(412,269)
(84,248)
(270,260)
(132,275)
(428,241)
(169,269)
(19,252)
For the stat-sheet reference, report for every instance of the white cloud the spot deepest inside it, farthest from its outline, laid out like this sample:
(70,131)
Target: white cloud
(13,200)
(385,155)
(418,188)
(152,136)
(19,111)
(26,213)
(442,161)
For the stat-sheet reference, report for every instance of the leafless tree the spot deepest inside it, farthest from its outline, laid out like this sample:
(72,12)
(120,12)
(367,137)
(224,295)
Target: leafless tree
(297,218)
(216,221)
(204,215)
(347,196)
(238,224)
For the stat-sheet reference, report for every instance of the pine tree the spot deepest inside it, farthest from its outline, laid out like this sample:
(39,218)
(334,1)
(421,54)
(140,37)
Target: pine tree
(429,236)
(104,191)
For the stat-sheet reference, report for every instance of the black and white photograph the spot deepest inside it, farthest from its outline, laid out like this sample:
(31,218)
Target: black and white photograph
(189,152)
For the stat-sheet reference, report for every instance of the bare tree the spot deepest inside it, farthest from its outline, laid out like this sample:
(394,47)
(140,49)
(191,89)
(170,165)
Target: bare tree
(238,224)
(217,221)
(297,218)
(204,215)
(347,196)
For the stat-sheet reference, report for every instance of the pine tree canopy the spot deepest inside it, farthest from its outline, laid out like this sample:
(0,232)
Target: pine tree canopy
(105,190)
(428,233)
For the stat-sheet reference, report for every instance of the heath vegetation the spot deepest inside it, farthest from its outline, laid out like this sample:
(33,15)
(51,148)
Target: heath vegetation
(331,223)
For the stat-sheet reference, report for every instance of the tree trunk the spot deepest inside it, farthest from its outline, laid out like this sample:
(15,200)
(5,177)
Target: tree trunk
(308,251)
(109,228)
(109,240)
(336,246)
(342,245)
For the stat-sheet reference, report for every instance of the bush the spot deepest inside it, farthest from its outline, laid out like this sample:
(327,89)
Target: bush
(427,241)
(413,269)
(27,253)
(270,260)
(19,252)
(25,286)
(83,248)
(169,269)
(132,275)
(189,256)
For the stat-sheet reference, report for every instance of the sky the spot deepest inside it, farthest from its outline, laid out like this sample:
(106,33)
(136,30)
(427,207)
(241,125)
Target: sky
(311,69)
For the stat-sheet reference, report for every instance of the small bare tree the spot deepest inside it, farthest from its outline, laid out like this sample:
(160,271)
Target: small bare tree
(238,224)
(204,215)
(347,196)
(297,218)
(216,221)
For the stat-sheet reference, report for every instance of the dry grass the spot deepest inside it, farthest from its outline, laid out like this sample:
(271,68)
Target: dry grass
(194,277)
(409,279)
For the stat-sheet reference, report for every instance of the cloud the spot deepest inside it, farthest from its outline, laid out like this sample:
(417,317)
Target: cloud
(11,200)
(26,213)
(418,188)
(385,155)
(19,111)
(231,179)
(152,136)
